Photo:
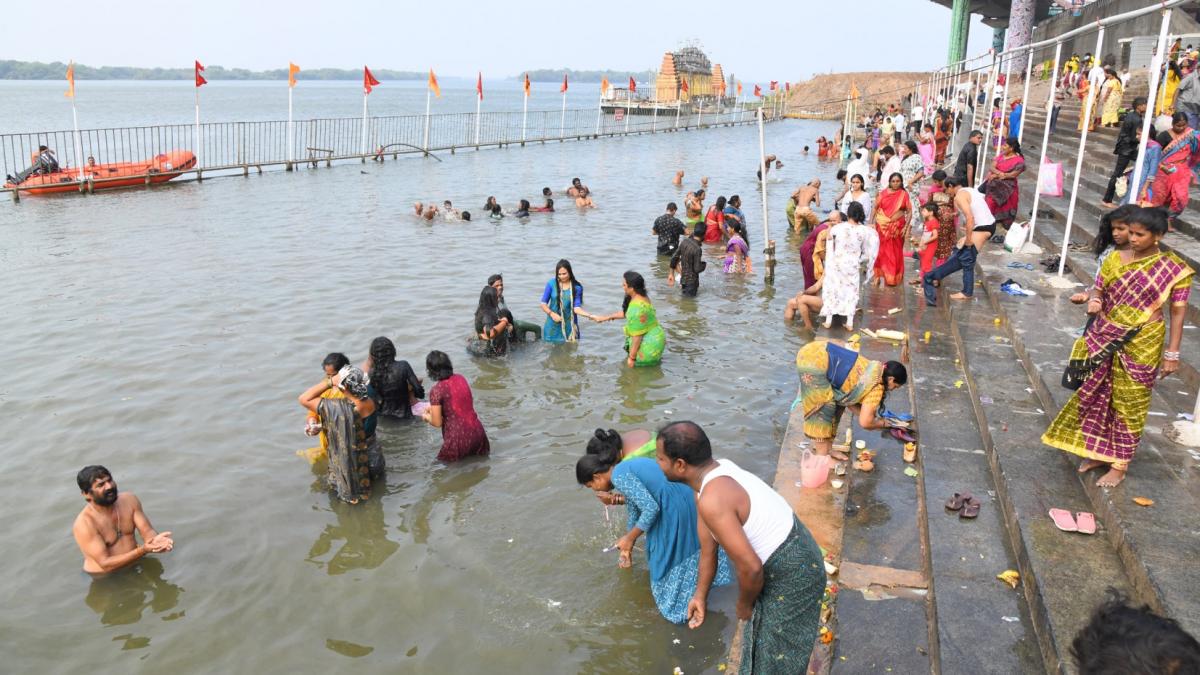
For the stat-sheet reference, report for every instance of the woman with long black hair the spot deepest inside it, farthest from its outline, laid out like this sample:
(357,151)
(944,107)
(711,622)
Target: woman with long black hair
(562,301)
(396,386)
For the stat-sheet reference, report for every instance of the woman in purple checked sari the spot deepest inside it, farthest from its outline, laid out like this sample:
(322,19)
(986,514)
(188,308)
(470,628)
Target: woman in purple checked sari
(1121,353)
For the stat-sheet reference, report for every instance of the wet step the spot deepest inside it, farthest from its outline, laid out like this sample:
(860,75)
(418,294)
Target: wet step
(1063,575)
(982,624)
(1150,542)
(882,617)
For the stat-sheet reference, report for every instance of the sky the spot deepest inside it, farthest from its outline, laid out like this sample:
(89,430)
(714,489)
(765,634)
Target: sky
(774,40)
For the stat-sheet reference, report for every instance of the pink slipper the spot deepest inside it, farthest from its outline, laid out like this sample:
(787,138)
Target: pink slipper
(1086,522)
(1064,521)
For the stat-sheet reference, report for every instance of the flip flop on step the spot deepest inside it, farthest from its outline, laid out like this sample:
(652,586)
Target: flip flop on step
(902,435)
(958,500)
(1064,521)
(1086,522)
(970,508)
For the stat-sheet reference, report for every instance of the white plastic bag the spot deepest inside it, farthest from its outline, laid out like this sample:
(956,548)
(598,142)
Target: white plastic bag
(1017,234)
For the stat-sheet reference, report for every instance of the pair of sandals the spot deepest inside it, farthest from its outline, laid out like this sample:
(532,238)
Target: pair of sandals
(967,505)
(1082,522)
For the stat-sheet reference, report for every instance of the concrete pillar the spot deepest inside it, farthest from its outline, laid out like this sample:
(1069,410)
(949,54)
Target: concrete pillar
(1020,29)
(960,24)
(998,39)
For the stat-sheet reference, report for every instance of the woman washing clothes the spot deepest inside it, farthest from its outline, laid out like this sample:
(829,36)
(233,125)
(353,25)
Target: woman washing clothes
(343,421)
(833,378)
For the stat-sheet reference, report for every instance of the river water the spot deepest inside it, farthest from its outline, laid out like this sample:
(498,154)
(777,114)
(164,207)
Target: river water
(166,334)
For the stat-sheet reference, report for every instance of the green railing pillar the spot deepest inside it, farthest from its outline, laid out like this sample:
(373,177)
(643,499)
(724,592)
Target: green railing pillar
(960,28)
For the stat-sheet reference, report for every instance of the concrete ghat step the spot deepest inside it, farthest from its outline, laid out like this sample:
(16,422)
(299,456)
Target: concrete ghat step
(882,622)
(1063,575)
(982,625)
(1151,542)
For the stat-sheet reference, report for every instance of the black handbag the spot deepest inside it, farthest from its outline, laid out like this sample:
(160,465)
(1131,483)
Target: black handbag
(1078,370)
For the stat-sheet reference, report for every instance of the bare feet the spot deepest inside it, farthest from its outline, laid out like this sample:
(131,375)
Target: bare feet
(960,296)
(1108,205)
(1089,464)
(1111,479)
(838,456)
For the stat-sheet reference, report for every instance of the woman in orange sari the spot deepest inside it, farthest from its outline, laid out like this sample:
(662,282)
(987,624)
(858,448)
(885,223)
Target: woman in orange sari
(892,209)
(943,126)
(1082,94)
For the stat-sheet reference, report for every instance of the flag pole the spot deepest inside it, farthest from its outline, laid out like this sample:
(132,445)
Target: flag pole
(562,122)
(678,105)
(425,143)
(762,166)
(700,114)
(654,115)
(525,114)
(197,133)
(291,141)
(628,100)
(364,127)
(478,106)
(78,139)
(599,108)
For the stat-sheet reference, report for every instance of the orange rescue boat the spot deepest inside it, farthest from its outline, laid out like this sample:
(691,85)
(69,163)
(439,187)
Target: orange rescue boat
(160,169)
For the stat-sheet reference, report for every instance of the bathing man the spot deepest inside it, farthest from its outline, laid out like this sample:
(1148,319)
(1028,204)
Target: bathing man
(104,528)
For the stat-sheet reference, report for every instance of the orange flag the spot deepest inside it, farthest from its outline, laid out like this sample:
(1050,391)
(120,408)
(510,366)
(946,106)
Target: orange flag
(200,81)
(433,85)
(564,87)
(739,85)
(774,85)
(70,80)
(292,70)
(632,84)
(604,86)
(479,85)
(683,85)
(758,91)
(526,85)
(369,80)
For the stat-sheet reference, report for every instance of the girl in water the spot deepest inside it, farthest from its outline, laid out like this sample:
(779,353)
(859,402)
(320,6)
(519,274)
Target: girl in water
(737,253)
(562,301)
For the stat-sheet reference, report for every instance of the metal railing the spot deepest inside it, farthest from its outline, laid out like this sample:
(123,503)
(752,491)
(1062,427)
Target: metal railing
(232,147)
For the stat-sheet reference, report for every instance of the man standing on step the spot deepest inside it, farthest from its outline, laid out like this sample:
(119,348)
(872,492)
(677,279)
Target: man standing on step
(979,225)
(1126,149)
(968,160)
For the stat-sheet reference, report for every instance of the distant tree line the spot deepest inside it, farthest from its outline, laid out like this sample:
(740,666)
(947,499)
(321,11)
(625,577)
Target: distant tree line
(36,70)
(617,77)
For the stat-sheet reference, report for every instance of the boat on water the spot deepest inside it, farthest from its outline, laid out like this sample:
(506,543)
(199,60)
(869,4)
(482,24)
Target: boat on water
(158,169)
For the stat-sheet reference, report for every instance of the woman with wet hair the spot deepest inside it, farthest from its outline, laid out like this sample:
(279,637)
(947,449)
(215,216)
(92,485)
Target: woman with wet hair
(520,328)
(660,510)
(493,331)
(342,421)
(396,386)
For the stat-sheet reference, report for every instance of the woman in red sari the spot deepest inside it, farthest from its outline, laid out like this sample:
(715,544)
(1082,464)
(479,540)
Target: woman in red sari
(1000,190)
(892,209)
(943,127)
(1180,155)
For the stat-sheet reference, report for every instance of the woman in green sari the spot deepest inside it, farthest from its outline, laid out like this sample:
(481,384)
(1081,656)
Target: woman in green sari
(644,338)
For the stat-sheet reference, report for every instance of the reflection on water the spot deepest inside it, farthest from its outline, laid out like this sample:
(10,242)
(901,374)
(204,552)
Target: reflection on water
(449,485)
(121,598)
(362,532)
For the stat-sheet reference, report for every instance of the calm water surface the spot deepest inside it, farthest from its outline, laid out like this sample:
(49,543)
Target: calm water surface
(167,333)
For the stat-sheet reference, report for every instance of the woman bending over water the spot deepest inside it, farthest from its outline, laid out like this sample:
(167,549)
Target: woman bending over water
(644,337)
(629,445)
(663,512)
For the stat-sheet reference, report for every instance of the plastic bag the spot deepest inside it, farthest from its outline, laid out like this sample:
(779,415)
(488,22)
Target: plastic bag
(1015,239)
(1050,179)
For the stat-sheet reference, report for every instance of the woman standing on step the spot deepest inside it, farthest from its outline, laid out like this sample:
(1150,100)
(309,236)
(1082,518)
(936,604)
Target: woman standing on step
(1110,98)
(1001,191)
(1121,352)
(892,210)
(1180,155)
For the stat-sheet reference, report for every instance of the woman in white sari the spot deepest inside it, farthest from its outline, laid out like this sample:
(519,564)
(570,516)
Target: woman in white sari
(851,249)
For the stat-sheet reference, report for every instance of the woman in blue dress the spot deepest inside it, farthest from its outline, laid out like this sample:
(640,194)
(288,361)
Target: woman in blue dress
(562,302)
(666,514)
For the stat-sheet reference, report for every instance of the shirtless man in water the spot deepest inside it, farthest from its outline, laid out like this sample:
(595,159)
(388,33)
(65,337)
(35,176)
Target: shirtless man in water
(807,197)
(104,528)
